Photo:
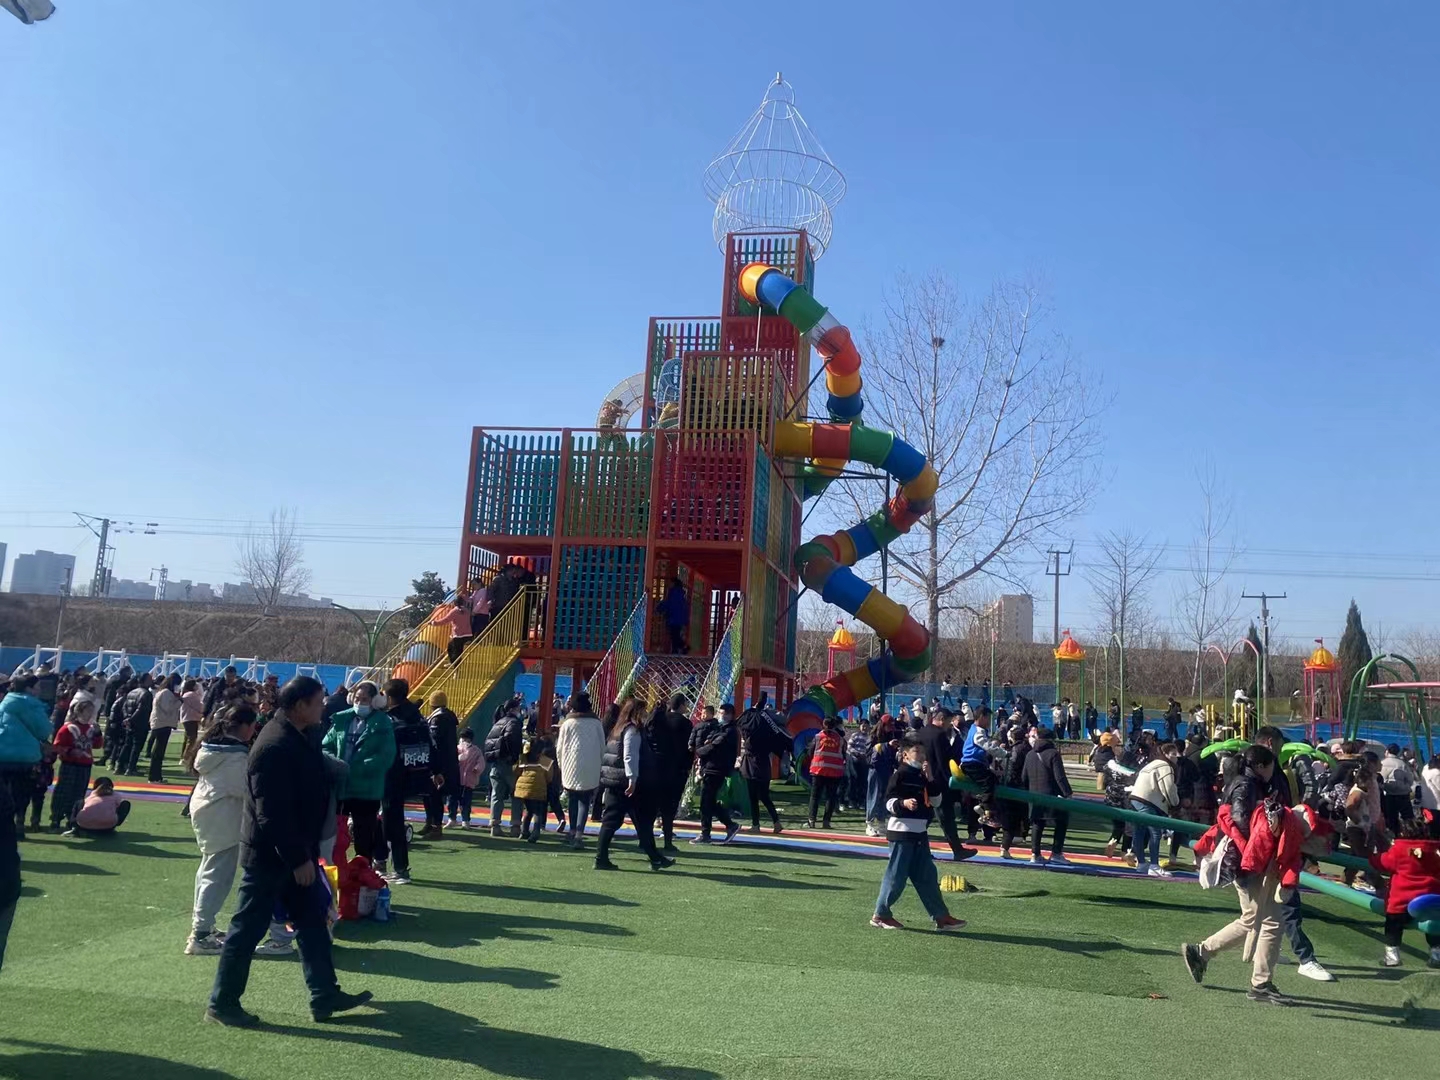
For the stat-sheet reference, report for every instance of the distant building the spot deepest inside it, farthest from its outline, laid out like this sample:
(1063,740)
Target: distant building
(125,589)
(2,562)
(42,573)
(1013,617)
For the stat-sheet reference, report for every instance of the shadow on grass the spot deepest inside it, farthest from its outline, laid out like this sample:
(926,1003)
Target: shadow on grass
(447,929)
(55,866)
(1092,949)
(1412,1012)
(44,1061)
(1150,903)
(759,881)
(402,964)
(731,853)
(31,890)
(420,1029)
(529,894)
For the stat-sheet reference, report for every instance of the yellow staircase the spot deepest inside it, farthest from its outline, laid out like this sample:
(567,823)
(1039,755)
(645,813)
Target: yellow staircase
(466,682)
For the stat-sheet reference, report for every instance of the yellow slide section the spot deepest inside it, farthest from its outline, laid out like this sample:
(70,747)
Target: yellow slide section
(466,682)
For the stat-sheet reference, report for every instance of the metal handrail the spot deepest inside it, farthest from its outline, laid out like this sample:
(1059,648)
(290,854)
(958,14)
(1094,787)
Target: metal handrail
(466,682)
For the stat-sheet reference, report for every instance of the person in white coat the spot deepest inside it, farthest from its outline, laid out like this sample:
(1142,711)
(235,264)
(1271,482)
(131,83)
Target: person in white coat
(579,746)
(1430,795)
(216,807)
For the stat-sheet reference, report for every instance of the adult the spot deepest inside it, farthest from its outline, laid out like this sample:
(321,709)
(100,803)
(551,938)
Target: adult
(445,738)
(760,741)
(1044,774)
(412,775)
(137,707)
(1155,794)
(1015,815)
(287,799)
(9,867)
(670,738)
(192,711)
(579,747)
(1172,721)
(857,767)
(628,788)
(716,745)
(675,610)
(479,608)
(164,719)
(1092,721)
(336,702)
(1112,715)
(458,618)
(1430,795)
(227,686)
(361,737)
(503,588)
(827,771)
(502,751)
(1264,862)
(884,751)
(939,752)
(1137,722)
(114,685)
(1397,788)
(24,738)
(1292,917)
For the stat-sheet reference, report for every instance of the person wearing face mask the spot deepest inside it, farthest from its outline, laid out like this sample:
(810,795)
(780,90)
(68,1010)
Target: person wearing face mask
(361,736)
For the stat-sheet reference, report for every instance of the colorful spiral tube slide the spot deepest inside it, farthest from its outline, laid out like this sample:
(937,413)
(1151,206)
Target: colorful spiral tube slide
(824,563)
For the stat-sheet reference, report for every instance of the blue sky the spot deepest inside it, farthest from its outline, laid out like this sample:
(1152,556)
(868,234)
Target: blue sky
(260,258)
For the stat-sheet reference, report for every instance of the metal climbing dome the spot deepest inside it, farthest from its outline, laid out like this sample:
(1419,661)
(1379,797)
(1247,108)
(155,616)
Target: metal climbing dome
(775,175)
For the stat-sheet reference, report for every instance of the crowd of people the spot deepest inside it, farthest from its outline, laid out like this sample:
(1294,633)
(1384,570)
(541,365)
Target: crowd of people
(279,770)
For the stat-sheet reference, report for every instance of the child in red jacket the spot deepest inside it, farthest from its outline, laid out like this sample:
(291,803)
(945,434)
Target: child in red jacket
(75,743)
(1414,865)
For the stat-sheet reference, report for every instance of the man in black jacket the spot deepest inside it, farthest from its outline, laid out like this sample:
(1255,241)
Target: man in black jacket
(760,739)
(216,694)
(287,799)
(716,743)
(670,739)
(136,708)
(412,775)
(339,701)
(1045,775)
(936,740)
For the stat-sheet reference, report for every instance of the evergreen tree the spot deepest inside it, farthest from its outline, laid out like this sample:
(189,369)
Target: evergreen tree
(1353,653)
(429,592)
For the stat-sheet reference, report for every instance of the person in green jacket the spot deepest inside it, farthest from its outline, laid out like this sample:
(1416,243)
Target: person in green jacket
(361,736)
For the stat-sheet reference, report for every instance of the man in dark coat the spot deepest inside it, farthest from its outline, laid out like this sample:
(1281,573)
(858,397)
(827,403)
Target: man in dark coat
(935,737)
(287,800)
(760,740)
(716,743)
(670,739)
(1045,775)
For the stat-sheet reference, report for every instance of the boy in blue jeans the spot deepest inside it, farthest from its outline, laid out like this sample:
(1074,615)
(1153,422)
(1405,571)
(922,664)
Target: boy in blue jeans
(907,802)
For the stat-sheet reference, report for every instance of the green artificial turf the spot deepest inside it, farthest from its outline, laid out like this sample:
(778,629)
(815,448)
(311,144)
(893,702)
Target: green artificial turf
(516,961)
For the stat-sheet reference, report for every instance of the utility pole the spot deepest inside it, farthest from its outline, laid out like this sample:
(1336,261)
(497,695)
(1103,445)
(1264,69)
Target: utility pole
(60,623)
(1057,574)
(164,580)
(1264,599)
(97,583)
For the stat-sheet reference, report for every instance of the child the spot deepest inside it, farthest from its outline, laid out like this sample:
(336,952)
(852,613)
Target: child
(532,785)
(102,812)
(216,807)
(472,764)
(907,801)
(1414,863)
(975,764)
(75,743)
(43,775)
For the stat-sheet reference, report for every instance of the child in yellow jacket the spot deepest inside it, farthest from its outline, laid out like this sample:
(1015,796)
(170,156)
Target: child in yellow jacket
(532,785)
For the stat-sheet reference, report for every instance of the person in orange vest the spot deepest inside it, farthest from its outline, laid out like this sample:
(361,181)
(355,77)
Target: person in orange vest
(827,769)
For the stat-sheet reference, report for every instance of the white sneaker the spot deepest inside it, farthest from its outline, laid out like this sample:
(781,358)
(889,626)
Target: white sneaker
(1313,969)
(211,944)
(274,950)
(1365,887)
(1160,872)
(1060,860)
(873,830)
(1392,956)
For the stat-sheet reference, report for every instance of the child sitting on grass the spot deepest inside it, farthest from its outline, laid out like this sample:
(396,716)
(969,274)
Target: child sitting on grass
(532,785)
(75,743)
(907,801)
(101,812)
(1414,865)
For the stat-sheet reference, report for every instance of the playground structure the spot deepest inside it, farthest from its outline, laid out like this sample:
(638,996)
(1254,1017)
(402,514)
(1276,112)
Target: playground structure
(1320,694)
(1069,653)
(1405,701)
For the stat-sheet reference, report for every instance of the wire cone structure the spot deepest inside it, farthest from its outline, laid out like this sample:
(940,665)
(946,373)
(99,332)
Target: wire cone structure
(775,175)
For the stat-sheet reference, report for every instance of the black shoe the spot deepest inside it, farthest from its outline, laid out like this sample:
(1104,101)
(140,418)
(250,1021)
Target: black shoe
(1195,961)
(661,864)
(670,848)
(231,1016)
(731,833)
(338,1002)
(605,864)
(1268,995)
(961,852)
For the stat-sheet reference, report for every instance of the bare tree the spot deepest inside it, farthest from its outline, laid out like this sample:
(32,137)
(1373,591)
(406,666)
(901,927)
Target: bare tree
(1206,605)
(1121,577)
(272,559)
(1002,411)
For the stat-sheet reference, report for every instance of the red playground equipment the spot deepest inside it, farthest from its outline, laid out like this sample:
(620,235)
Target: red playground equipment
(1321,692)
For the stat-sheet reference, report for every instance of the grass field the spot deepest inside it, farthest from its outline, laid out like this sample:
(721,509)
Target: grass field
(512,961)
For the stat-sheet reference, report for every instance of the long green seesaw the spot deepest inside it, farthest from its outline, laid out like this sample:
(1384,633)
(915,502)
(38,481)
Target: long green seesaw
(1194,828)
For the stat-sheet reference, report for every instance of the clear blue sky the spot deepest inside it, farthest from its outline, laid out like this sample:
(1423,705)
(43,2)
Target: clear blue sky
(263,255)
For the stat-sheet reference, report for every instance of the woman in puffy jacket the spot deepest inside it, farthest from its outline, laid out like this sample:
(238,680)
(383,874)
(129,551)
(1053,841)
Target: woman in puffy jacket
(216,807)
(24,737)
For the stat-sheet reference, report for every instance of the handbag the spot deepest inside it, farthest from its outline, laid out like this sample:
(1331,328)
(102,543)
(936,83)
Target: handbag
(1210,867)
